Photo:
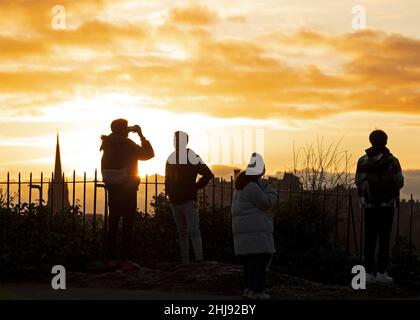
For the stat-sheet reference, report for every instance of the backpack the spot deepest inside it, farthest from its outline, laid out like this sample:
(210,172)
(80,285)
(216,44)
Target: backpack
(114,176)
(382,186)
(114,165)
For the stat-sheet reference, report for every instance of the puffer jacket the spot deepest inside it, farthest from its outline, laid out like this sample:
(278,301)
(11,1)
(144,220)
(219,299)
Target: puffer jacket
(252,225)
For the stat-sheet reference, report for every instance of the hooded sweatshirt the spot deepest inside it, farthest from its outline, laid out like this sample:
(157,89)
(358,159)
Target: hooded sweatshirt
(379,159)
(120,159)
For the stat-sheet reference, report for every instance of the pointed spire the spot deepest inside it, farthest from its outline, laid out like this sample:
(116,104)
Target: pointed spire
(57,167)
(58,193)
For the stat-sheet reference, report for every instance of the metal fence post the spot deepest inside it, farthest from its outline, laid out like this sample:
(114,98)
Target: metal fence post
(221,192)
(30,188)
(301,199)
(74,200)
(62,201)
(348,227)
(336,212)
(398,219)
(356,248)
(106,215)
(8,191)
(231,189)
(19,192)
(51,196)
(94,199)
(410,245)
(145,195)
(156,193)
(156,185)
(84,202)
(164,203)
(41,190)
(313,197)
(213,200)
(362,216)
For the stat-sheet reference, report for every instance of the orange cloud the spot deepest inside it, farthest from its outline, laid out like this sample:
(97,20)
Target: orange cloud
(35,16)
(17,48)
(248,77)
(195,15)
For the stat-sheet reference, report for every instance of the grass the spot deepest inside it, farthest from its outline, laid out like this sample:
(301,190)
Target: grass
(4,295)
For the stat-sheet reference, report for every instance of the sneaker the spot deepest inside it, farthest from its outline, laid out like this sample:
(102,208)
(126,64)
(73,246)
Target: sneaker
(112,265)
(384,278)
(258,295)
(129,266)
(370,278)
(246,292)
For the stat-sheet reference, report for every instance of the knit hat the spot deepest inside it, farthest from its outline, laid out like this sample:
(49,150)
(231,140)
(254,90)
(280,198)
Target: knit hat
(256,166)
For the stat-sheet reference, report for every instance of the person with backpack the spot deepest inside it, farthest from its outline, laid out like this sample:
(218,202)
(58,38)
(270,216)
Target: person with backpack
(378,179)
(252,226)
(181,185)
(119,167)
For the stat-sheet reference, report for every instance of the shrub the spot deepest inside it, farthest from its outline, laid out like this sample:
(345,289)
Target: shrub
(305,243)
(404,265)
(31,238)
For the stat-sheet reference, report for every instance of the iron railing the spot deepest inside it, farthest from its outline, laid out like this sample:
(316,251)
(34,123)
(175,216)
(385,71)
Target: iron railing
(218,194)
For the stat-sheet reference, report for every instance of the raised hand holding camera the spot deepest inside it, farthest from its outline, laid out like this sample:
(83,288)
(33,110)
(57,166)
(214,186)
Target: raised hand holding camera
(136,129)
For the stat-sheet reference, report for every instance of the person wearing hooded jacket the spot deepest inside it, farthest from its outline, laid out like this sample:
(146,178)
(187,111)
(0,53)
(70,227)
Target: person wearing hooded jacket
(378,179)
(252,226)
(119,167)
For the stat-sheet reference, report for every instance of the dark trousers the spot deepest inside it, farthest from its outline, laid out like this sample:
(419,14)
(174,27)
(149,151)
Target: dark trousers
(122,205)
(378,225)
(255,267)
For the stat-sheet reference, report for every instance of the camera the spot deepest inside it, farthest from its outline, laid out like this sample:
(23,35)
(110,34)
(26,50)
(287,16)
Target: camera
(132,129)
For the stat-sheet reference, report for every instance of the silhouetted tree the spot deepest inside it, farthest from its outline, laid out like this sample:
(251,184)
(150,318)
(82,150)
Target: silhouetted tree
(321,166)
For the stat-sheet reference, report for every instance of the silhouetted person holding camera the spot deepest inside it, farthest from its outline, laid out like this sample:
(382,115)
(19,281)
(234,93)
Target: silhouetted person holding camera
(182,168)
(379,179)
(120,174)
(252,226)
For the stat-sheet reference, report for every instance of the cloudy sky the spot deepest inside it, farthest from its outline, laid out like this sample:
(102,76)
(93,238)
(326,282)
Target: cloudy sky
(295,69)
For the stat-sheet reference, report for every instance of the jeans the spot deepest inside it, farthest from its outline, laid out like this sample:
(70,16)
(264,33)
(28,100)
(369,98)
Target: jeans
(378,224)
(255,269)
(188,225)
(122,205)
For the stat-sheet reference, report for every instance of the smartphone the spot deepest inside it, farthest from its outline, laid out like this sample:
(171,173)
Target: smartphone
(132,129)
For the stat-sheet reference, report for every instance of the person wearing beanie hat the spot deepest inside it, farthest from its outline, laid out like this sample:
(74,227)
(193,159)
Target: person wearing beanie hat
(378,179)
(256,165)
(252,226)
(119,166)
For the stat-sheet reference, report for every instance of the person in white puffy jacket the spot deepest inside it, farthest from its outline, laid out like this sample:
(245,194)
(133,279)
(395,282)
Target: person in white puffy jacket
(252,226)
